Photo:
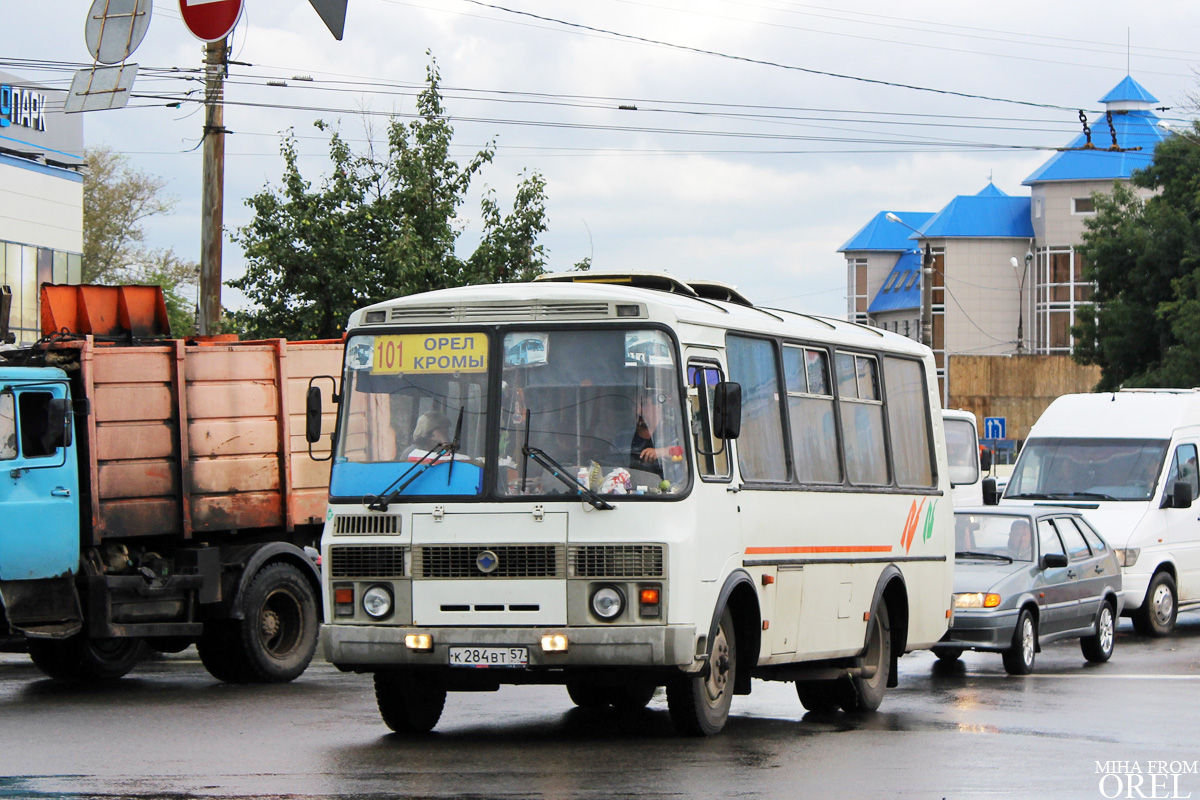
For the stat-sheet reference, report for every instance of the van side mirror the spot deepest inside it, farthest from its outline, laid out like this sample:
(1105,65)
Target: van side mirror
(312,415)
(1181,495)
(991,495)
(727,410)
(1054,560)
(58,424)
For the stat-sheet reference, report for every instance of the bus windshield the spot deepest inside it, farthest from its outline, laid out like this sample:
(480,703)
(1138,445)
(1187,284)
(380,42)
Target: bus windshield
(1088,469)
(604,405)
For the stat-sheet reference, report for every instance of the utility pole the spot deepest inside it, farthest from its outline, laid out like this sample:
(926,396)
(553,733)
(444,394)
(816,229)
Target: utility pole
(927,297)
(216,56)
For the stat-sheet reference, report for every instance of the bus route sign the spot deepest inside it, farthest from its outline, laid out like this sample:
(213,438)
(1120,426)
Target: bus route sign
(411,354)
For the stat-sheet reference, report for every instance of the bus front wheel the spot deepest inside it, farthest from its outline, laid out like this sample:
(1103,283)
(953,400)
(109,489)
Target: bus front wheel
(699,705)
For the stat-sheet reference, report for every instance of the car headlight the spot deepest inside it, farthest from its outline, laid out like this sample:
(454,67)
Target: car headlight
(976,600)
(377,602)
(608,602)
(1128,557)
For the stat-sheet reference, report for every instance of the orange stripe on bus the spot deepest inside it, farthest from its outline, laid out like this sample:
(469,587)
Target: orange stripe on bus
(870,548)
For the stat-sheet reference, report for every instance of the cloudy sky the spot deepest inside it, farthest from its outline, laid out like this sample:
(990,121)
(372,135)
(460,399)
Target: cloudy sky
(735,140)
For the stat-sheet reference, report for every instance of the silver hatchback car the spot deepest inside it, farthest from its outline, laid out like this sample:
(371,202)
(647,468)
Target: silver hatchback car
(1028,577)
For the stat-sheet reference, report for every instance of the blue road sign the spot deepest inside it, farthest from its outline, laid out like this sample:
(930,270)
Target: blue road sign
(994,427)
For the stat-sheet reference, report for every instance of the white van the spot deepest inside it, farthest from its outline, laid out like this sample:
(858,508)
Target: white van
(962,451)
(1127,460)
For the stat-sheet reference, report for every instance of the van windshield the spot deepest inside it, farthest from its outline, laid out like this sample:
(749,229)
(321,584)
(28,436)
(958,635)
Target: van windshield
(1088,469)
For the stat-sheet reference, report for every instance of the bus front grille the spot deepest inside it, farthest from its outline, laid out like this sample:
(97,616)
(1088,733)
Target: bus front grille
(489,561)
(365,524)
(616,561)
(372,561)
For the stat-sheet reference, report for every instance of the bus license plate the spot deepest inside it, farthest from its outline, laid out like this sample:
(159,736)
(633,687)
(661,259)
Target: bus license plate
(489,657)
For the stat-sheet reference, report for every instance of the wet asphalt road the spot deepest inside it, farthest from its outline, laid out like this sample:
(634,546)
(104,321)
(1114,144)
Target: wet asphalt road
(171,731)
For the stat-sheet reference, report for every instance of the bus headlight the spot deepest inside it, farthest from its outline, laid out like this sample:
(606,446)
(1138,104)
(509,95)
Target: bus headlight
(377,602)
(608,602)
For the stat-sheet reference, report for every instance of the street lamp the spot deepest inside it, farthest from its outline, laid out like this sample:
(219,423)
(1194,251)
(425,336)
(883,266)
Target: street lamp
(1021,298)
(926,284)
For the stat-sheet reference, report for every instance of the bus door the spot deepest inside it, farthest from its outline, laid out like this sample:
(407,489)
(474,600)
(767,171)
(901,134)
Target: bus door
(715,503)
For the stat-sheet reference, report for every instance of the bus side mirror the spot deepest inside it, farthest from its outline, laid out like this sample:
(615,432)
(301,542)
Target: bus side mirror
(991,495)
(312,415)
(727,410)
(58,424)
(1181,495)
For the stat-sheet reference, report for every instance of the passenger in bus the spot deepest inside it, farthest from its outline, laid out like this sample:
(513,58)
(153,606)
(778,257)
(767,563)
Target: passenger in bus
(1020,540)
(431,430)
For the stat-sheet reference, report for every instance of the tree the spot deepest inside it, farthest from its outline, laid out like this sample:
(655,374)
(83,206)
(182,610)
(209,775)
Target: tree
(117,199)
(377,227)
(1144,257)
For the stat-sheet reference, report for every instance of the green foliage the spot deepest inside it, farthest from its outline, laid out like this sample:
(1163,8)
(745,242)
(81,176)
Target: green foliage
(117,199)
(1144,257)
(377,228)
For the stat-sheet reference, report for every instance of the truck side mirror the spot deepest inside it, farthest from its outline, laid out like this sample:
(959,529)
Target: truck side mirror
(727,410)
(991,495)
(312,415)
(1181,495)
(1054,561)
(58,424)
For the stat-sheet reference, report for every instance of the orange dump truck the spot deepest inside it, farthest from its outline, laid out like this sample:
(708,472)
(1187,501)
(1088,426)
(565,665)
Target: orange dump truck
(156,493)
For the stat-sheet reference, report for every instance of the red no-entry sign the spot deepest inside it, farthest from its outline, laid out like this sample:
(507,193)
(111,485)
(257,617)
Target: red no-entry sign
(210,20)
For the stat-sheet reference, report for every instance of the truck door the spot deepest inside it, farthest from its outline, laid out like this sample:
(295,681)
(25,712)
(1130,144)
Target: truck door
(1183,527)
(39,486)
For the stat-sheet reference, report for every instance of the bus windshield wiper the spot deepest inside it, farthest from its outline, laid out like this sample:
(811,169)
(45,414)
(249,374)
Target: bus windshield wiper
(431,457)
(984,556)
(543,459)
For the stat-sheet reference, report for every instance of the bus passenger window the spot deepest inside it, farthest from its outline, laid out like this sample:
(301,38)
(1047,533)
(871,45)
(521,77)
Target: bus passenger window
(909,422)
(810,411)
(760,447)
(862,419)
(712,455)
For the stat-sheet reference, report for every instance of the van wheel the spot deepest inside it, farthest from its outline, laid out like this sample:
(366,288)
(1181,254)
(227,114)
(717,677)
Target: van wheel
(948,655)
(867,693)
(1098,647)
(631,697)
(409,702)
(586,695)
(1156,617)
(699,705)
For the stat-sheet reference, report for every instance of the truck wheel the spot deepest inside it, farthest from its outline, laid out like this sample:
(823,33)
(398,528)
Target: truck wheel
(279,629)
(865,694)
(699,705)
(409,702)
(221,653)
(84,659)
(1156,617)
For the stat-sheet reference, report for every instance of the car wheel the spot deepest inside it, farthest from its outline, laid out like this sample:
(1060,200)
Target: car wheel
(1156,617)
(865,694)
(1019,658)
(699,705)
(948,655)
(409,703)
(1098,647)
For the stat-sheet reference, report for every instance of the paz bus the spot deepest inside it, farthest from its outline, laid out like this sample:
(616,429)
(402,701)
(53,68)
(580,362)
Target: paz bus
(636,483)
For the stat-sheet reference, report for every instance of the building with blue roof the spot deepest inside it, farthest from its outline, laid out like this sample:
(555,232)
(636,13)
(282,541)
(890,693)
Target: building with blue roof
(1000,261)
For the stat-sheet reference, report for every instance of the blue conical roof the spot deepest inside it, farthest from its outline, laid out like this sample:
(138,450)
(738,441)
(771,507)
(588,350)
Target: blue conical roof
(987,215)
(883,234)
(1129,90)
(991,191)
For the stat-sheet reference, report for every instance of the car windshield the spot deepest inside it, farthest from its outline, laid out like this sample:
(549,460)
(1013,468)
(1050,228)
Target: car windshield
(993,536)
(602,405)
(1088,469)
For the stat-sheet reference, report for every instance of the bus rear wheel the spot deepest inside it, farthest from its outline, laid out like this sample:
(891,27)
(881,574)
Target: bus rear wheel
(865,694)
(699,705)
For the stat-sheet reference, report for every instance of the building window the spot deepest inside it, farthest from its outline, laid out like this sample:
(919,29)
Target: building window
(1083,205)
(1059,292)
(1037,207)
(856,283)
(938,293)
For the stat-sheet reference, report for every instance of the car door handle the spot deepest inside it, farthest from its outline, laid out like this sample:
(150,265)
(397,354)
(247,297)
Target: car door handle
(1070,573)
(1099,570)
(60,491)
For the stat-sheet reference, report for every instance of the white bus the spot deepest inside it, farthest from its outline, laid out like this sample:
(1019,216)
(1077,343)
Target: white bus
(680,491)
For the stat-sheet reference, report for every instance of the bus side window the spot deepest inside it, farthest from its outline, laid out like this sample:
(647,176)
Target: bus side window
(712,454)
(862,419)
(761,454)
(810,411)
(909,423)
